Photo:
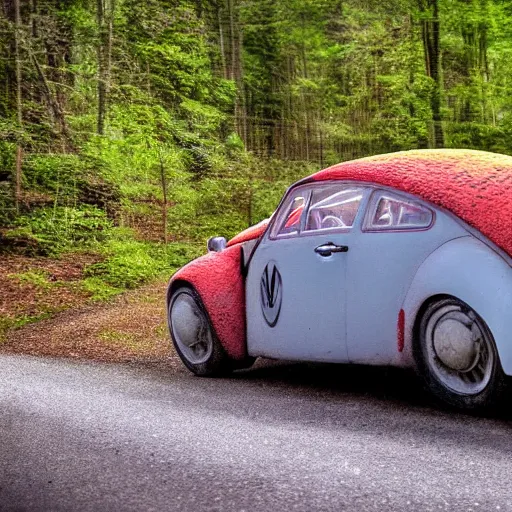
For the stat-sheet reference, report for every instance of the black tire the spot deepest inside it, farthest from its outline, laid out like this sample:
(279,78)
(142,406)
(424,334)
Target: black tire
(243,364)
(441,379)
(215,361)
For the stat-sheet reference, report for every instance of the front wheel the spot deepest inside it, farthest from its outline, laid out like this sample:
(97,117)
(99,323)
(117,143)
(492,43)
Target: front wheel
(456,355)
(193,335)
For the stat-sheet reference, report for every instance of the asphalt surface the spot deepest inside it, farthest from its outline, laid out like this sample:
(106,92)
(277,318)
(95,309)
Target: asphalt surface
(80,436)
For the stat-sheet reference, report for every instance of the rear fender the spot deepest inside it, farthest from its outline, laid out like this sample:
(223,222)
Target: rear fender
(471,271)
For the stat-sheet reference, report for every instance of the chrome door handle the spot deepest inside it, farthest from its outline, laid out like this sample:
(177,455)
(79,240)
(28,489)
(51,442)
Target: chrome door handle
(328,248)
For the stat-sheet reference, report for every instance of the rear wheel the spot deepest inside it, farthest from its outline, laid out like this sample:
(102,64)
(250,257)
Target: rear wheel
(193,335)
(456,355)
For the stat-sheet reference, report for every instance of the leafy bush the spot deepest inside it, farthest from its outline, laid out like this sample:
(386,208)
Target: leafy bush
(7,210)
(265,198)
(57,173)
(131,262)
(234,144)
(480,136)
(98,289)
(55,230)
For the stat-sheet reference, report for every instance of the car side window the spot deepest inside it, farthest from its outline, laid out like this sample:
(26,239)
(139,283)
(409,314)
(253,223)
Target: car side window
(289,218)
(389,213)
(333,207)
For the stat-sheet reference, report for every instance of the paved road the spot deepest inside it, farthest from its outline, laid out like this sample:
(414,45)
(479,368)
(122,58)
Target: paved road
(78,436)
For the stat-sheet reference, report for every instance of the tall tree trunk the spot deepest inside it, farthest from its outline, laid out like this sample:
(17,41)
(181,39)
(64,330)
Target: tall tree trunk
(105,10)
(483,61)
(305,96)
(199,8)
(234,63)
(468,64)
(221,43)
(100,17)
(241,90)
(231,15)
(163,180)
(321,137)
(33,16)
(436,76)
(9,76)
(430,25)
(235,70)
(54,107)
(17,62)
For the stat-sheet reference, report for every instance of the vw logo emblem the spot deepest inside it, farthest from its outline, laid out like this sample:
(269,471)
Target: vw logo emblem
(271,293)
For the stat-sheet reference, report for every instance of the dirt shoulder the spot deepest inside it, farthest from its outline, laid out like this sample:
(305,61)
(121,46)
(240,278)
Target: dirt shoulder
(130,328)
(33,287)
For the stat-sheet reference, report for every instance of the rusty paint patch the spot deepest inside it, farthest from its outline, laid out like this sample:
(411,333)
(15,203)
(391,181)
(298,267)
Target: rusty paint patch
(400,331)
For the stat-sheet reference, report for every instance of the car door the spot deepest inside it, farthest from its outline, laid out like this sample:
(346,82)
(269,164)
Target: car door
(296,282)
(398,233)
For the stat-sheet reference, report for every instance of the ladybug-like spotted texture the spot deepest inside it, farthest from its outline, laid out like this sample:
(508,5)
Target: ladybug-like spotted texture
(474,185)
(250,233)
(218,280)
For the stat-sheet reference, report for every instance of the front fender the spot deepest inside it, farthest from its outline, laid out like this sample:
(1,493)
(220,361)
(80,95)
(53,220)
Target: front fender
(471,271)
(217,277)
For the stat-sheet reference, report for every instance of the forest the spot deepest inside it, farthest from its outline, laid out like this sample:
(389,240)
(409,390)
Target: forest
(130,131)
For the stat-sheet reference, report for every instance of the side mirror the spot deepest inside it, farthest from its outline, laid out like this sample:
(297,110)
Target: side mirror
(216,244)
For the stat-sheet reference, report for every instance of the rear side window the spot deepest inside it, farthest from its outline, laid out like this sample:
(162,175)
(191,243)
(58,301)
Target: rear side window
(387,212)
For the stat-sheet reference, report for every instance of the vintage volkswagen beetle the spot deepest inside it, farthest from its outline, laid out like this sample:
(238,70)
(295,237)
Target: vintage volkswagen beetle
(401,259)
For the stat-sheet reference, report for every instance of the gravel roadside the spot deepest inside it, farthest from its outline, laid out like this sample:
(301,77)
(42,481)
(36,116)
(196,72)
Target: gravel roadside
(131,328)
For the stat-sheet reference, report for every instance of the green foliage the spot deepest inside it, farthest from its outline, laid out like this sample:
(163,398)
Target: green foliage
(98,289)
(213,108)
(55,173)
(51,231)
(130,263)
(234,144)
(477,135)
(38,278)
(265,198)
(8,323)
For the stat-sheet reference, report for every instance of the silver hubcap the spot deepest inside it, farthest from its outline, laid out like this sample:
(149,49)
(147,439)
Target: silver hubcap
(459,349)
(190,328)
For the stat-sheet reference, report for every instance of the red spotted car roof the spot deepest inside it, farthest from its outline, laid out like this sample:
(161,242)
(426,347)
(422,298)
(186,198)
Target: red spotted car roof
(474,185)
